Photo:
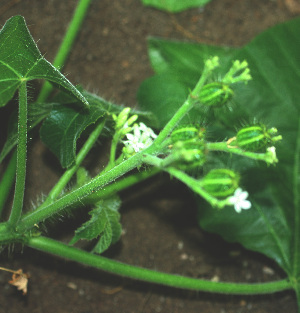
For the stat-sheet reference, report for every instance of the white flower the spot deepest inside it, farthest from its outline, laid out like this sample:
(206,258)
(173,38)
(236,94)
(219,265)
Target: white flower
(239,200)
(141,138)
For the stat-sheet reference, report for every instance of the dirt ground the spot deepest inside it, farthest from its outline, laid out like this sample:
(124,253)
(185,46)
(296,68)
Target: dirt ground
(159,218)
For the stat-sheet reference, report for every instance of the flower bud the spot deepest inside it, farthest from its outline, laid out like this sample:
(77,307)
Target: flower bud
(187,132)
(215,94)
(189,154)
(220,182)
(256,138)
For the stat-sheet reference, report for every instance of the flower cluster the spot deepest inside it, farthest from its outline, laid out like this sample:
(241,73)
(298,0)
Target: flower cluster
(141,138)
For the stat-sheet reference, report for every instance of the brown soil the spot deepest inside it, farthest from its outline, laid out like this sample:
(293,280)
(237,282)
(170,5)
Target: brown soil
(159,218)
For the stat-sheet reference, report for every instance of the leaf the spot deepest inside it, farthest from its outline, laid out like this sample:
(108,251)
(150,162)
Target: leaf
(178,66)
(63,127)
(104,223)
(169,93)
(174,5)
(272,225)
(20,60)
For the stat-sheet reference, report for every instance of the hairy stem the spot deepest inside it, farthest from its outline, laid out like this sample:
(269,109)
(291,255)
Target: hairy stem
(79,194)
(60,185)
(74,254)
(7,180)
(17,206)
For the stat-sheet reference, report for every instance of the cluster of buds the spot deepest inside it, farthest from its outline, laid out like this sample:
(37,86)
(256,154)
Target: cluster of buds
(123,122)
(188,147)
(138,135)
(217,94)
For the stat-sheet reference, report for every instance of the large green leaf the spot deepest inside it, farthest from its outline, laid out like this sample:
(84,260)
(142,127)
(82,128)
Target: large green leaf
(174,5)
(272,226)
(20,60)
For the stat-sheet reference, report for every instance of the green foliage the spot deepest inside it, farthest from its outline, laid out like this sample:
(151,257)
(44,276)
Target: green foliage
(62,128)
(104,223)
(272,226)
(174,5)
(21,61)
(178,66)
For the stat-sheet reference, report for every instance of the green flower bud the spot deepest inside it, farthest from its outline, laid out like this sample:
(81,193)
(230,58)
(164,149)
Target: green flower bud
(187,132)
(220,182)
(256,138)
(215,94)
(189,154)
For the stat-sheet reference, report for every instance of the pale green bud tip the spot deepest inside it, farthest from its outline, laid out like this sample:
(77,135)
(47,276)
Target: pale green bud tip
(212,63)
(233,76)
(121,119)
(132,119)
(271,155)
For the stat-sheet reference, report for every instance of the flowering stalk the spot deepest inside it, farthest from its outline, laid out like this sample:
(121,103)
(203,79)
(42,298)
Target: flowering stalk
(269,156)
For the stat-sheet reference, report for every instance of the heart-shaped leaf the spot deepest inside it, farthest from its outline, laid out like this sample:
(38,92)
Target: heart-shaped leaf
(21,60)
(272,225)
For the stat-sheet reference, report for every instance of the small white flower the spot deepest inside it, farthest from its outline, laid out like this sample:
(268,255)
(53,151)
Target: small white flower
(141,138)
(239,200)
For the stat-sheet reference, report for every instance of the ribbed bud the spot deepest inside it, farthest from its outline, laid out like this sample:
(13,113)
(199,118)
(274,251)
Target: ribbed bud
(189,154)
(256,138)
(187,132)
(220,183)
(215,94)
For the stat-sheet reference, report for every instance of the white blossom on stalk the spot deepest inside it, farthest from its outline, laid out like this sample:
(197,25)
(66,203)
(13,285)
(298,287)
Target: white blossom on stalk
(238,200)
(141,138)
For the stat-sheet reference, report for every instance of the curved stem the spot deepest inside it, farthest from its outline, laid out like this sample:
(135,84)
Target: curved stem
(71,253)
(21,157)
(67,43)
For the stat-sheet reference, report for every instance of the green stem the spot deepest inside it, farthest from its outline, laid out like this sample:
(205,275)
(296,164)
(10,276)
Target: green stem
(66,44)
(185,108)
(119,186)
(21,157)
(223,146)
(7,180)
(193,183)
(79,194)
(71,253)
(55,192)
(113,150)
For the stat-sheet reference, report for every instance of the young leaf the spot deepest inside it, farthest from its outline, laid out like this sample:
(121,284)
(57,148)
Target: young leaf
(20,60)
(174,5)
(62,128)
(272,225)
(104,223)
